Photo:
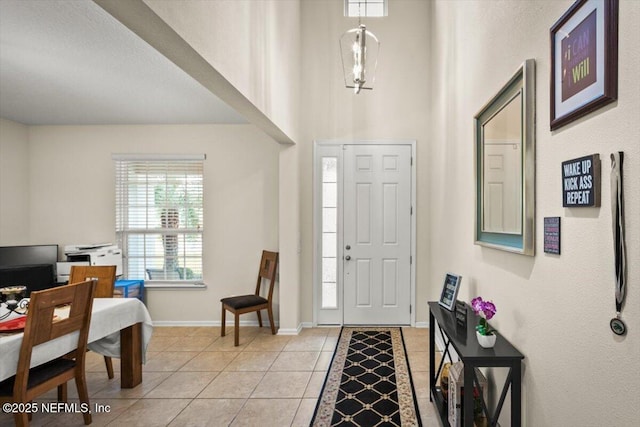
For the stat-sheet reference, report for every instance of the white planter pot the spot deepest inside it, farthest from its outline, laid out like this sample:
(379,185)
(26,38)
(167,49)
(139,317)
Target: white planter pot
(486,341)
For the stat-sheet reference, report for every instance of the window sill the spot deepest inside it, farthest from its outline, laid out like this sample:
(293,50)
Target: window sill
(173,285)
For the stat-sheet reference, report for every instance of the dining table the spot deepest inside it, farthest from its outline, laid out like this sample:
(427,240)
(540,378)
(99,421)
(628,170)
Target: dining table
(120,328)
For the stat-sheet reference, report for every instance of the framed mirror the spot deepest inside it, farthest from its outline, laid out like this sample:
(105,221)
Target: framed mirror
(505,166)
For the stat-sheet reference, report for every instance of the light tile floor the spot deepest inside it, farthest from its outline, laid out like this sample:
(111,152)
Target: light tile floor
(194,377)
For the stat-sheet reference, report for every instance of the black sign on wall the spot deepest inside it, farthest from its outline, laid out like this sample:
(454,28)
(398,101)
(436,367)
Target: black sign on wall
(581,182)
(552,235)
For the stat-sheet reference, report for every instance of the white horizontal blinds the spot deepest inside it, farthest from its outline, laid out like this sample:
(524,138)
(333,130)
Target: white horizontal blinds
(159,217)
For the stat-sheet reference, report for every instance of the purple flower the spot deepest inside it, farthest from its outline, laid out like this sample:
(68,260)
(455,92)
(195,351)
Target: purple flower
(489,309)
(477,304)
(486,310)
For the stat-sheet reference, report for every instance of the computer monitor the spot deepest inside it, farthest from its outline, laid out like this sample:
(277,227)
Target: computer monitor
(12,257)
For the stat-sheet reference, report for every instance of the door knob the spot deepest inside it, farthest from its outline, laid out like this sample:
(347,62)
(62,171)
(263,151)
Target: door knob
(348,257)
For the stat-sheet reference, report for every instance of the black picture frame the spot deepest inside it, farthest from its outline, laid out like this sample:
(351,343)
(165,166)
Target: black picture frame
(450,290)
(461,314)
(584,78)
(581,179)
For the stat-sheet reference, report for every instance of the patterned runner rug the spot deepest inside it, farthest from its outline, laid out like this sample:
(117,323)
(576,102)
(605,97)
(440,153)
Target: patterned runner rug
(369,382)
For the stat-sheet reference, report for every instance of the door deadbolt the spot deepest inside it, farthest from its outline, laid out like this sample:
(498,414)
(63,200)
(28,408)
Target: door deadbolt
(348,247)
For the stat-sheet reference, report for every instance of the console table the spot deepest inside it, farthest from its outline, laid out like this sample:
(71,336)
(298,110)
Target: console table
(463,340)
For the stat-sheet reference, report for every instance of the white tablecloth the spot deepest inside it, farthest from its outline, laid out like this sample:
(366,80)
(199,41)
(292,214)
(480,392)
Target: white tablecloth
(108,317)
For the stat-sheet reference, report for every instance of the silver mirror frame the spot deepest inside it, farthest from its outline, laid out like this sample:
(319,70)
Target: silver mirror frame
(523,243)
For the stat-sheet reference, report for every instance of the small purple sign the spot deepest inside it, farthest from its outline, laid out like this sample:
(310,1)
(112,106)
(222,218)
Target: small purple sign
(552,235)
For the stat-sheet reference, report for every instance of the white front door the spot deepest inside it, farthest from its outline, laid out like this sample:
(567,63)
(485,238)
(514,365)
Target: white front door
(503,187)
(376,241)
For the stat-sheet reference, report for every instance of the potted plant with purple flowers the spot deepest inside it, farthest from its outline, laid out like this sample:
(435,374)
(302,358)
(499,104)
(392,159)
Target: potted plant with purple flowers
(486,310)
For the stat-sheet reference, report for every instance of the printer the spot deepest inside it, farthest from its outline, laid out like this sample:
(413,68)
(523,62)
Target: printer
(95,254)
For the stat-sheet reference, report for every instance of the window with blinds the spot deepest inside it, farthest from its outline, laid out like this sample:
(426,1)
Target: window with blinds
(159,216)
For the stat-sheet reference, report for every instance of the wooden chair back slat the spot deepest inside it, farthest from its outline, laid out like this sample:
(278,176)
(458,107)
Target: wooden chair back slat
(41,326)
(105,275)
(268,268)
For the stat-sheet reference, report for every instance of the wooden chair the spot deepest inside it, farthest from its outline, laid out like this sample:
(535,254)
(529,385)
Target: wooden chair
(106,280)
(247,303)
(41,327)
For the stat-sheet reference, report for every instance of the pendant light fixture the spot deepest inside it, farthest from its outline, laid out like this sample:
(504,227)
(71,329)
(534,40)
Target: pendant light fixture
(359,48)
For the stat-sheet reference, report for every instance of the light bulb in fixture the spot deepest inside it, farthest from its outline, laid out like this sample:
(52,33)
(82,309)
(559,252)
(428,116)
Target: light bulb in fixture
(359,47)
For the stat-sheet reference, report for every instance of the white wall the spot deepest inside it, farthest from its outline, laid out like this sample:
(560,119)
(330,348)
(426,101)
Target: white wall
(253,44)
(14,183)
(289,241)
(555,309)
(72,199)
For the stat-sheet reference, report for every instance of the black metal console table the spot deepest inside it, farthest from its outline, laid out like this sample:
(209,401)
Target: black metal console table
(464,341)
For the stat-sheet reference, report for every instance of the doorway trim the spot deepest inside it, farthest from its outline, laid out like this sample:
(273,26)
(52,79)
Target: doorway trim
(317,221)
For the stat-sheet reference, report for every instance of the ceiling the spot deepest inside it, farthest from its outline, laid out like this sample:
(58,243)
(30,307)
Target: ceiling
(71,63)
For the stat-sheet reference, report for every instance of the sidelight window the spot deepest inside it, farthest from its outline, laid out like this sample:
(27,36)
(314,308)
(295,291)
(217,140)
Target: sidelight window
(329,232)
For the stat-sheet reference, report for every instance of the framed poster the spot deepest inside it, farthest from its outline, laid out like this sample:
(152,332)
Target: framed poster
(552,235)
(450,291)
(584,60)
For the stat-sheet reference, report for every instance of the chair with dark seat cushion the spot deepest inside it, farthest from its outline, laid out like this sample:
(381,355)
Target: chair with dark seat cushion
(254,302)
(106,281)
(42,325)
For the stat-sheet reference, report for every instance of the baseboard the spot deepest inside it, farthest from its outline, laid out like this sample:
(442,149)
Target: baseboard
(290,331)
(207,323)
(422,325)
(281,331)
